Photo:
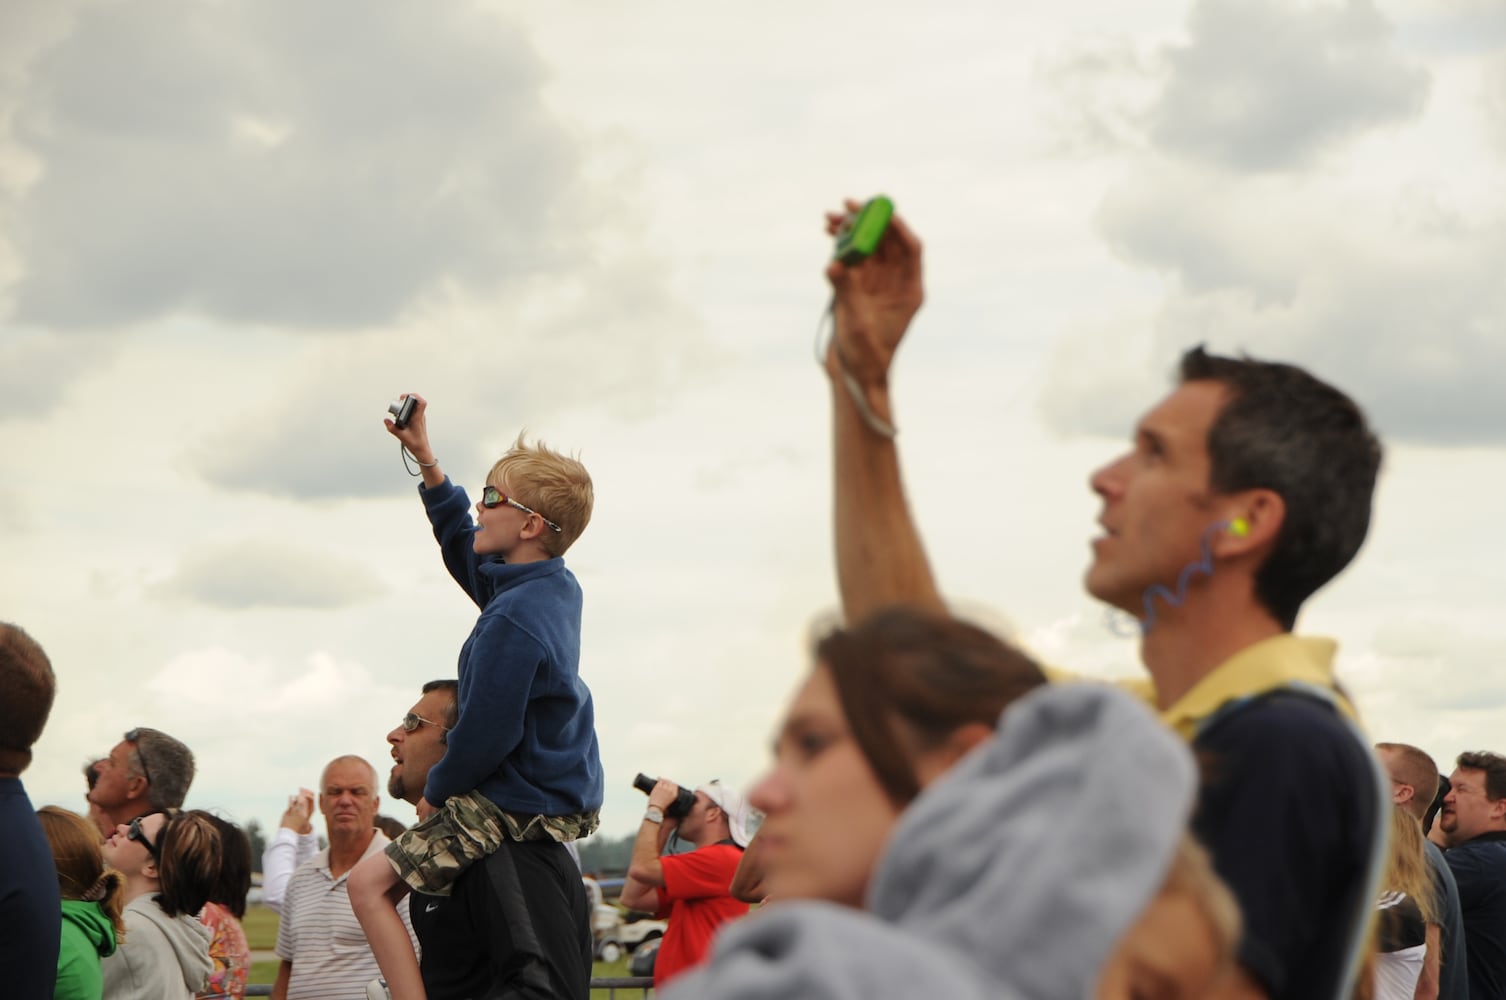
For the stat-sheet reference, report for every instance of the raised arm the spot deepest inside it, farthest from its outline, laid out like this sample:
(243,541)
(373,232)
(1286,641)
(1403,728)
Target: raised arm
(880,558)
(292,843)
(445,503)
(415,437)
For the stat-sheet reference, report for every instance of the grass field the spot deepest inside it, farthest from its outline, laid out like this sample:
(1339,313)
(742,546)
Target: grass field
(261,933)
(261,927)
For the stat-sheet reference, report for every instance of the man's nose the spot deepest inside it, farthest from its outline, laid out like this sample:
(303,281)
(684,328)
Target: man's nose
(1108,480)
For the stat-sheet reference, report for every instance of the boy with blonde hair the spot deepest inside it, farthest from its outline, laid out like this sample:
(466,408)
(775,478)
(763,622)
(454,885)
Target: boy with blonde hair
(522,768)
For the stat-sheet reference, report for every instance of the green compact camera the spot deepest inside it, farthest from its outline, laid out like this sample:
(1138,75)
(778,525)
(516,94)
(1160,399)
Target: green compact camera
(861,233)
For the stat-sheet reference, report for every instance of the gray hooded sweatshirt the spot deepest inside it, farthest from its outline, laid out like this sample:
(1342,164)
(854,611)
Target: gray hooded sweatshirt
(1014,875)
(161,958)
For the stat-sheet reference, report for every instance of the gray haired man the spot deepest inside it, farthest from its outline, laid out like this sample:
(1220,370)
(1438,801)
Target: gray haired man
(146,772)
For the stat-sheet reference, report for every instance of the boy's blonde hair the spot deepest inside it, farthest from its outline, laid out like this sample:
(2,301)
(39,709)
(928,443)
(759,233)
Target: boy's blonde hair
(555,485)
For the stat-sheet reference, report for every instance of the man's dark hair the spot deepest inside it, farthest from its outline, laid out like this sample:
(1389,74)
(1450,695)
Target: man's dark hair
(27,687)
(1494,766)
(452,710)
(1284,430)
(165,763)
(1437,803)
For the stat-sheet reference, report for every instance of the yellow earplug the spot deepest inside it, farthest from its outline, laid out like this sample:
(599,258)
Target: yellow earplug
(1239,527)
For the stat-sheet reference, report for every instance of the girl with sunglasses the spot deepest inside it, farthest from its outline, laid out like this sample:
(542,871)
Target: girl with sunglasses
(170,863)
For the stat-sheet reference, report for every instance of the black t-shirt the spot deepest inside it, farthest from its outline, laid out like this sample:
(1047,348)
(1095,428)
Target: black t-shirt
(1399,923)
(518,921)
(1479,868)
(31,912)
(1288,809)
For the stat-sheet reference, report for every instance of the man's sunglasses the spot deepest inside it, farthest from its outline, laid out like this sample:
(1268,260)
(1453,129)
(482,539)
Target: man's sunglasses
(491,497)
(137,832)
(412,722)
(134,738)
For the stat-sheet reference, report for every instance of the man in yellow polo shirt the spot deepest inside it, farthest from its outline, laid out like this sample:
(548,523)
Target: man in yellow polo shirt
(1245,490)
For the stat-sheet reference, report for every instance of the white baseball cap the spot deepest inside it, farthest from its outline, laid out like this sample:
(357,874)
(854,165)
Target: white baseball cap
(742,819)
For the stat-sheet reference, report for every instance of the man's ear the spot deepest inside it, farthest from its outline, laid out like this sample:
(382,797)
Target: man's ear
(1403,794)
(1252,520)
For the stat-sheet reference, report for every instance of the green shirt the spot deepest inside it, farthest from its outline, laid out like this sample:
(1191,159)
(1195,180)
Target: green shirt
(88,935)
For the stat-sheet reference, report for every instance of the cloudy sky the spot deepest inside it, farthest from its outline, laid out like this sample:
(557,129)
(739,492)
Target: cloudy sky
(232,230)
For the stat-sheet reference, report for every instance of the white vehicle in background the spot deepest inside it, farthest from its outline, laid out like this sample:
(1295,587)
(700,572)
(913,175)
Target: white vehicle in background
(614,932)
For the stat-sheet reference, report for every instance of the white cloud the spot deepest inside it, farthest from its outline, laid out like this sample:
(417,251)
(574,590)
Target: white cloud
(1099,89)
(267,573)
(1269,86)
(36,370)
(309,165)
(1395,296)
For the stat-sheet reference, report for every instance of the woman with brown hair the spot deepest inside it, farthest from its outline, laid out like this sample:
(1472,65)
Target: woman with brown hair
(93,897)
(170,863)
(941,822)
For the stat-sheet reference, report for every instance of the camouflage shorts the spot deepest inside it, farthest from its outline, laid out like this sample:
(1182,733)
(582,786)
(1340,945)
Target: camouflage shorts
(431,856)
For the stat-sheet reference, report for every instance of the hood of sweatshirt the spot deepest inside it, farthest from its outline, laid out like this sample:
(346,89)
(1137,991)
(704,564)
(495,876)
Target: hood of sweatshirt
(90,918)
(1014,875)
(188,939)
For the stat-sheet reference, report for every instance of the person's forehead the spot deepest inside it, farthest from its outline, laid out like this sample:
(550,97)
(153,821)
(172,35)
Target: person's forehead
(153,824)
(433,704)
(1465,777)
(1186,412)
(347,775)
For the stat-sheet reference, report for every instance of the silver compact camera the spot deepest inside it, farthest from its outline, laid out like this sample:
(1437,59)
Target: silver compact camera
(402,411)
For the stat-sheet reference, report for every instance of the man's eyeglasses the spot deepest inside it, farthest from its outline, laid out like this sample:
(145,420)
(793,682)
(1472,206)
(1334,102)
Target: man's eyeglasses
(491,497)
(137,832)
(412,722)
(134,738)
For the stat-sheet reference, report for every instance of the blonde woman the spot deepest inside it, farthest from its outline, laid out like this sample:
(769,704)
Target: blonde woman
(93,897)
(1408,935)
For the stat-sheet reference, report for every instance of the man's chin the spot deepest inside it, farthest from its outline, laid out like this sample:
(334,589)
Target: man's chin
(1104,591)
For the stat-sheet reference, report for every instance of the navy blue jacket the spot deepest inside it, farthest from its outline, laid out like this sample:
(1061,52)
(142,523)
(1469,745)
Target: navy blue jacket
(526,738)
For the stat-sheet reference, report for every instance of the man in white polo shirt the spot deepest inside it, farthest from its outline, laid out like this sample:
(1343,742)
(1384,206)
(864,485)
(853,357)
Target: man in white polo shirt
(323,951)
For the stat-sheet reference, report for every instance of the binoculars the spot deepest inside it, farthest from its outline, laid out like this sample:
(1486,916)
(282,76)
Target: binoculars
(679,807)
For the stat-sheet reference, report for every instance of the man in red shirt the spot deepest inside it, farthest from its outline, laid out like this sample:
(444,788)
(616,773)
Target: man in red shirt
(690,890)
